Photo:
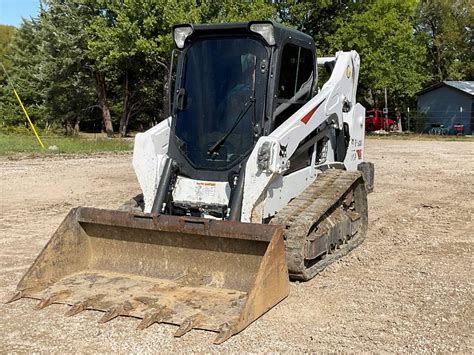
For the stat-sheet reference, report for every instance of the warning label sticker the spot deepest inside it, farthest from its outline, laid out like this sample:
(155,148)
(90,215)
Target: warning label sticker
(205,189)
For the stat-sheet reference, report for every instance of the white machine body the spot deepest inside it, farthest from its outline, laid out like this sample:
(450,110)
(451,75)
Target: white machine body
(266,188)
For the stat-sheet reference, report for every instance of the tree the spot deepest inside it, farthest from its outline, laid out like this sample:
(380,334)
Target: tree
(65,65)
(125,43)
(445,28)
(24,69)
(319,19)
(131,40)
(382,33)
(6,38)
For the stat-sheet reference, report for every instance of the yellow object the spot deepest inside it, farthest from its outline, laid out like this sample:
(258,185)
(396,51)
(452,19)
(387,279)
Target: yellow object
(23,107)
(28,117)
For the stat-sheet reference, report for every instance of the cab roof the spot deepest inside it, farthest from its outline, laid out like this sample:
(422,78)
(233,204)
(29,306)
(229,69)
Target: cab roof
(281,33)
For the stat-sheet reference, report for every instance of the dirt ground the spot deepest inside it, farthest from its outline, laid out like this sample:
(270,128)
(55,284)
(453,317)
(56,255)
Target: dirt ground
(409,287)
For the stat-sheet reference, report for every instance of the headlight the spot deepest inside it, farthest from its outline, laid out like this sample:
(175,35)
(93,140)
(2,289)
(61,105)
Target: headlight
(180,33)
(264,29)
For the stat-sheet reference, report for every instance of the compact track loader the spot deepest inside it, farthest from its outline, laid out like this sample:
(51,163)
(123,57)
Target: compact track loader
(256,177)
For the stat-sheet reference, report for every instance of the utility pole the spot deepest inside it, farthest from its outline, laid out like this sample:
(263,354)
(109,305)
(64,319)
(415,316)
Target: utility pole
(386,110)
(408,124)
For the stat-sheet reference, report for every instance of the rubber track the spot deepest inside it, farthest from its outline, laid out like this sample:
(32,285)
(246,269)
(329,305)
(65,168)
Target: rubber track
(301,215)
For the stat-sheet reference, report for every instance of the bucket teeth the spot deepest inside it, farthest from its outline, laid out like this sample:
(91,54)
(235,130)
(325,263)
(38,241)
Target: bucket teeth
(111,314)
(123,310)
(188,324)
(16,296)
(45,302)
(82,306)
(149,319)
(225,332)
(75,309)
(159,314)
(150,269)
(127,307)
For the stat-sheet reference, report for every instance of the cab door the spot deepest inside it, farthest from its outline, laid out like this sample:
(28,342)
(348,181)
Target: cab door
(295,82)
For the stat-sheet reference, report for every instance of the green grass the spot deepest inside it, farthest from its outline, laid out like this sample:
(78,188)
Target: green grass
(11,144)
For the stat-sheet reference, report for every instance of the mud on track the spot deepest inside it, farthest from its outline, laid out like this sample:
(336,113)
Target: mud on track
(409,287)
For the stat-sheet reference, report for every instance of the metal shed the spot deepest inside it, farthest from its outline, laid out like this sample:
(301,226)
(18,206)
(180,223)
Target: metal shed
(447,104)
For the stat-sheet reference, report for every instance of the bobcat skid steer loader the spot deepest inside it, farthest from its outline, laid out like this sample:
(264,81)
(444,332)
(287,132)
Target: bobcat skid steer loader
(256,177)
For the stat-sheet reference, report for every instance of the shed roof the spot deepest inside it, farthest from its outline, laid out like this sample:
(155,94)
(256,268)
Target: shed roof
(464,86)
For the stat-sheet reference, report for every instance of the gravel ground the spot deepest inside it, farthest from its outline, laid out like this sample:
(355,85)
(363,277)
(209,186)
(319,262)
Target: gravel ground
(408,288)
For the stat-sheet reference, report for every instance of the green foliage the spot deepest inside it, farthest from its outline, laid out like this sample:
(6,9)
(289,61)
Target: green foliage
(124,32)
(69,95)
(382,33)
(130,40)
(54,59)
(319,19)
(125,43)
(445,28)
(6,37)
(26,61)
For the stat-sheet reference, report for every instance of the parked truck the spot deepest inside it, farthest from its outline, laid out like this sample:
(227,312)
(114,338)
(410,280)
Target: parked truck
(375,121)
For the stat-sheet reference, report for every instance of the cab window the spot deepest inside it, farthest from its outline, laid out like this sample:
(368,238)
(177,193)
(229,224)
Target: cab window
(295,81)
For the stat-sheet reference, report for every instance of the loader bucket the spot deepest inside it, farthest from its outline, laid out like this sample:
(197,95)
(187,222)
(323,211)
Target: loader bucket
(191,272)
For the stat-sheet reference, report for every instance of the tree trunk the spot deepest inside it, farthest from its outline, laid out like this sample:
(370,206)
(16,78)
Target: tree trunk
(103,104)
(68,127)
(76,127)
(125,109)
(72,126)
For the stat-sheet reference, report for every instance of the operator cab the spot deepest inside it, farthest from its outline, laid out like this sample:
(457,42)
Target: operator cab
(230,85)
(233,84)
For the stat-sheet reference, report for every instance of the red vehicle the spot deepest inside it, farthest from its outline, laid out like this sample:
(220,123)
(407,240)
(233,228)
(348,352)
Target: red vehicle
(375,120)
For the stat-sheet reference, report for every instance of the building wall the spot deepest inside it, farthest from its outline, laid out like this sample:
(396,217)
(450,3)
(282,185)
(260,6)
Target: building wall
(442,106)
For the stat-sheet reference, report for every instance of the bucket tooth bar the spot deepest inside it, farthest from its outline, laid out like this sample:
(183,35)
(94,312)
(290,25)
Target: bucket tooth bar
(191,272)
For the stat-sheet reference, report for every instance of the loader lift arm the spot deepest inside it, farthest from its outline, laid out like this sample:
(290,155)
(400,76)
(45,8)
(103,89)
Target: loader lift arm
(334,105)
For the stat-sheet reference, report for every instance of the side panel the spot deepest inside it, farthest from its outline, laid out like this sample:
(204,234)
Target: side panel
(149,155)
(284,188)
(356,121)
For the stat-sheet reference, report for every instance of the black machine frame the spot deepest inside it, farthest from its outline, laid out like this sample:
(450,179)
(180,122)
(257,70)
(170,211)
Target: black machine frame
(282,35)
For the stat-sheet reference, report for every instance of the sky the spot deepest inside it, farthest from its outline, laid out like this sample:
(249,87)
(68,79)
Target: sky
(12,11)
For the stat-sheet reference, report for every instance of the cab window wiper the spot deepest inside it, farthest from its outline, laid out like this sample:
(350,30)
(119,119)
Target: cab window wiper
(249,103)
(216,146)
